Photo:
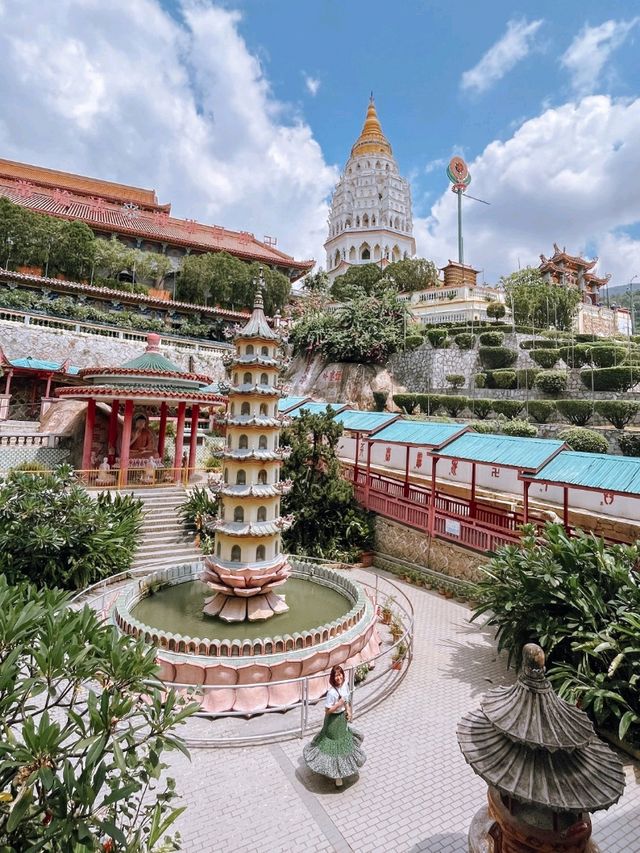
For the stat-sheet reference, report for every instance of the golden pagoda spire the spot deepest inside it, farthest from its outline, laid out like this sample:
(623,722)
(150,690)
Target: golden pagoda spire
(371,140)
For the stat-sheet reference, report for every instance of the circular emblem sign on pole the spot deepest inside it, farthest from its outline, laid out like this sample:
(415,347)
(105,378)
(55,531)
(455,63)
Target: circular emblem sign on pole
(458,174)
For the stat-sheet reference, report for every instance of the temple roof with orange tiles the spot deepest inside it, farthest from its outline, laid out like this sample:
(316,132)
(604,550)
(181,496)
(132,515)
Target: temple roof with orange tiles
(133,212)
(561,262)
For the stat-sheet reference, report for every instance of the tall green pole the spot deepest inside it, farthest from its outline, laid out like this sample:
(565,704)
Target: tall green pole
(460,248)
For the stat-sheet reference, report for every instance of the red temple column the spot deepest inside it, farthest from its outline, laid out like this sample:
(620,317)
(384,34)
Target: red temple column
(89,426)
(125,444)
(355,461)
(48,388)
(525,501)
(565,508)
(193,443)
(112,436)
(177,461)
(7,383)
(406,473)
(162,431)
(432,497)
(472,502)
(367,484)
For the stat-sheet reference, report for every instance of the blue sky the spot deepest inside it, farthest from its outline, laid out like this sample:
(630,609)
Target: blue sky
(242,113)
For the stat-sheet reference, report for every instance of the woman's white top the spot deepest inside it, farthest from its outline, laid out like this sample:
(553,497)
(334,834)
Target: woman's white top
(335,693)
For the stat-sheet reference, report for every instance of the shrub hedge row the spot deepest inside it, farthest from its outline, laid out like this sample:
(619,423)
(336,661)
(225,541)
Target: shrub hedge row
(610,378)
(496,356)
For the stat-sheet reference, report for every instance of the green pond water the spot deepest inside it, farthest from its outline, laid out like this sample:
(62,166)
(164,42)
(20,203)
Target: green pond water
(179,609)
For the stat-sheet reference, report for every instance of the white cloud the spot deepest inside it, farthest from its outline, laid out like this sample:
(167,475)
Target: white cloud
(123,91)
(570,175)
(501,57)
(312,84)
(589,51)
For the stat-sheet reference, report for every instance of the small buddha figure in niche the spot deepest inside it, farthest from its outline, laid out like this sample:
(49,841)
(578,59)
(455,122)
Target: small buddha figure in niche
(143,441)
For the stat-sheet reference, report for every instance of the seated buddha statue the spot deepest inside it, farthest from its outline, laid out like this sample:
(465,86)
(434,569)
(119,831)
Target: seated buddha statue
(143,441)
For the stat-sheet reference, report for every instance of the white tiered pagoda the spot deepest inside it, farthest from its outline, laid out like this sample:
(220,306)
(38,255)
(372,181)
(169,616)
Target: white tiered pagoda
(248,565)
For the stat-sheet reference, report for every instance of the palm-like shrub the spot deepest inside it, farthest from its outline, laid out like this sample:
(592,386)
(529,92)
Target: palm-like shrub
(199,508)
(584,440)
(618,412)
(578,412)
(580,600)
(53,533)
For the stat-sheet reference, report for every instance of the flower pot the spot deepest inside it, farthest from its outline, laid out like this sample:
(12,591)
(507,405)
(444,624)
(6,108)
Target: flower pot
(396,664)
(366,558)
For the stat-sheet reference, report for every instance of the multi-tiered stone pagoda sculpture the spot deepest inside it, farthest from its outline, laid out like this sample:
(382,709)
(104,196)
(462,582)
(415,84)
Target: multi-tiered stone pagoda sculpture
(544,764)
(248,565)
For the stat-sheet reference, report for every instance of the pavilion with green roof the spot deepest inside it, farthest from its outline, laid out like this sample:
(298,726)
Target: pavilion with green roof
(149,381)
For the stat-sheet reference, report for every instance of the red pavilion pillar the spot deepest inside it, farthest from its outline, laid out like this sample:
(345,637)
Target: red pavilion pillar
(405,490)
(472,502)
(177,461)
(162,431)
(125,444)
(525,500)
(193,443)
(89,426)
(112,436)
(432,497)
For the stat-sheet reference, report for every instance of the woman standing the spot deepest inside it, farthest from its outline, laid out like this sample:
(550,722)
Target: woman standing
(336,750)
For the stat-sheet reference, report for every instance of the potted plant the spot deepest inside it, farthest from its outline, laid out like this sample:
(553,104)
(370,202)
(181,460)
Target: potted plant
(396,628)
(398,656)
(386,613)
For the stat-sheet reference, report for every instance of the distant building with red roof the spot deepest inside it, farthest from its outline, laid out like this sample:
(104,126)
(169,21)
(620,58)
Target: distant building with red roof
(573,271)
(134,216)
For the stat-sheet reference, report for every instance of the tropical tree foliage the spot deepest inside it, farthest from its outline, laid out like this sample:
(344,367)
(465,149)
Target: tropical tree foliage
(540,303)
(580,600)
(328,521)
(407,275)
(53,533)
(84,726)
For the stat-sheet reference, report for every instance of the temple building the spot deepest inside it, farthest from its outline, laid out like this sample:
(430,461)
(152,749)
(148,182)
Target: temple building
(135,217)
(370,220)
(573,271)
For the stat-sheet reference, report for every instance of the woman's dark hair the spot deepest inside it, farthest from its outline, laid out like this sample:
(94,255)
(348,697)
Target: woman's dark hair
(332,675)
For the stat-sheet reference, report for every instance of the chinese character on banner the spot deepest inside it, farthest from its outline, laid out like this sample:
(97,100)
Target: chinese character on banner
(495,472)
(608,498)
(387,454)
(454,467)
(419,459)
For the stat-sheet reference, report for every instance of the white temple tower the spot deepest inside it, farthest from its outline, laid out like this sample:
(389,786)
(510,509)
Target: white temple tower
(370,218)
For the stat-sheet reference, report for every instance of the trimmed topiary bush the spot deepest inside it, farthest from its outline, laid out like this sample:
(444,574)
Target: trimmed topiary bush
(545,357)
(519,427)
(454,405)
(496,310)
(481,407)
(577,412)
(509,408)
(541,410)
(630,443)
(406,402)
(438,338)
(480,380)
(429,403)
(492,339)
(380,400)
(413,342)
(456,380)
(465,340)
(618,412)
(526,377)
(503,379)
(552,382)
(496,357)
(483,426)
(610,378)
(607,355)
(584,440)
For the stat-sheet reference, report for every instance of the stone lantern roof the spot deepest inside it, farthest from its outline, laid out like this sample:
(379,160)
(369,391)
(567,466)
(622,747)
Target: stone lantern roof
(257,327)
(532,746)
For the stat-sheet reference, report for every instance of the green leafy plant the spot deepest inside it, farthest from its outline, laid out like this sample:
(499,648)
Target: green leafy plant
(481,407)
(480,380)
(541,410)
(199,508)
(454,405)
(519,428)
(545,357)
(491,339)
(552,382)
(407,402)
(630,443)
(509,408)
(526,377)
(584,440)
(610,378)
(504,379)
(464,340)
(456,380)
(496,310)
(538,302)
(412,342)
(53,533)
(495,356)
(618,412)
(578,412)
(85,727)
(380,400)
(484,427)
(438,338)
(580,600)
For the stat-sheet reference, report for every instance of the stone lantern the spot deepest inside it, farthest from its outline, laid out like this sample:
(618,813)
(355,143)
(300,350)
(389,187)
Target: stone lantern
(545,767)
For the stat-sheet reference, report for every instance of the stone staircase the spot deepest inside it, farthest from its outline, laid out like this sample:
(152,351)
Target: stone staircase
(165,542)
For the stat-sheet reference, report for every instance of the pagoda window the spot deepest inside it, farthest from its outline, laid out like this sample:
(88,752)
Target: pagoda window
(226,475)
(365,253)
(396,223)
(337,258)
(262,477)
(377,252)
(236,554)
(243,442)
(260,552)
(264,379)
(347,223)
(263,409)
(235,378)
(365,221)
(245,409)
(238,513)
(249,349)
(262,513)
(218,549)
(357,221)
(262,442)
(352,253)
(229,440)
(241,478)
(247,378)
(373,219)
(264,351)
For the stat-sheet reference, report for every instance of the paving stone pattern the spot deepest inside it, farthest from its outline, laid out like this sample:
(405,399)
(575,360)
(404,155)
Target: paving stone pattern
(415,793)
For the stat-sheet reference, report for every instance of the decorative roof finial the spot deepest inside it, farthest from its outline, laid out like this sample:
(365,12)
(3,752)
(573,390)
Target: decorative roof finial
(258,301)
(371,97)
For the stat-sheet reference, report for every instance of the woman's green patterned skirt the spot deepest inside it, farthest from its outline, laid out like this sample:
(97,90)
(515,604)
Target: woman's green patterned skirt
(336,750)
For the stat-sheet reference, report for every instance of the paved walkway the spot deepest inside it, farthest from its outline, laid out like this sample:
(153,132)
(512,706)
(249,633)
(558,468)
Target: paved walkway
(415,793)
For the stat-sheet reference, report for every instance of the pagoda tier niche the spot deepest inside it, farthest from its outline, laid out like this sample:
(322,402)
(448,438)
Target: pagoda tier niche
(248,566)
